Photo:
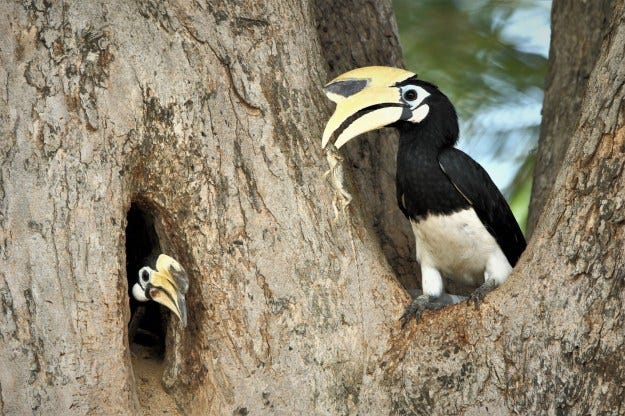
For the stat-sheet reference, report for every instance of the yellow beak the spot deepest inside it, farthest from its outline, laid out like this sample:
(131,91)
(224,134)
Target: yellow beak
(164,291)
(166,285)
(366,99)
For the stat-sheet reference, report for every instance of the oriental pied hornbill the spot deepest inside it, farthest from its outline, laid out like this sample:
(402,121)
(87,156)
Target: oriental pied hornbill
(166,285)
(463,227)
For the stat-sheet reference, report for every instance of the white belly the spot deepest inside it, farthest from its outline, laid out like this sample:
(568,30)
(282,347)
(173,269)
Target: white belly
(460,248)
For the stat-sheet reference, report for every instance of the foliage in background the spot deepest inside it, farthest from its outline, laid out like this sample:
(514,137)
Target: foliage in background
(490,58)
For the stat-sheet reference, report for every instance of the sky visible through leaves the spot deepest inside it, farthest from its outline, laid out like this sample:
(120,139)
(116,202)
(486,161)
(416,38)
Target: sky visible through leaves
(490,58)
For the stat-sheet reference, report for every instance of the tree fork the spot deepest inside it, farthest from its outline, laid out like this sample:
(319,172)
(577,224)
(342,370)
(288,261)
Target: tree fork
(211,115)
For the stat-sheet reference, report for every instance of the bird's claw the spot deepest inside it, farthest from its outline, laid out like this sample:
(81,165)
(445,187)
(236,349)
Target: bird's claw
(478,294)
(476,298)
(411,310)
(417,306)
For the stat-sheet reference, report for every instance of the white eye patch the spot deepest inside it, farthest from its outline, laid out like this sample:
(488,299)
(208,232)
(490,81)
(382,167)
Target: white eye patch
(413,95)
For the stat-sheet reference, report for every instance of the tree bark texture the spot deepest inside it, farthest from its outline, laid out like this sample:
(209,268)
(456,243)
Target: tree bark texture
(551,340)
(209,116)
(578,30)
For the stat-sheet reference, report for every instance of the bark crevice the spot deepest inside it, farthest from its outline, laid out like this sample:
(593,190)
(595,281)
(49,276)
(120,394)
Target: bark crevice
(146,326)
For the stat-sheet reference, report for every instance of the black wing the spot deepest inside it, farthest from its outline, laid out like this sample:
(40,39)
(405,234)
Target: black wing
(474,184)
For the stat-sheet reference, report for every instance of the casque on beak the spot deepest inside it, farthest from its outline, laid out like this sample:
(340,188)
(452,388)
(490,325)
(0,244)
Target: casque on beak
(366,99)
(165,292)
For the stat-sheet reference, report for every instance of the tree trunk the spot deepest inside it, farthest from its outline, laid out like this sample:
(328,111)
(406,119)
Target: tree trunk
(551,340)
(578,30)
(205,120)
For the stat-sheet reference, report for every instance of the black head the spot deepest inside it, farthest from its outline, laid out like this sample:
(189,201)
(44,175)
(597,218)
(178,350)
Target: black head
(440,124)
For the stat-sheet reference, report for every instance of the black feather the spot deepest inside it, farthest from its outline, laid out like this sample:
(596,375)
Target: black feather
(474,184)
(433,177)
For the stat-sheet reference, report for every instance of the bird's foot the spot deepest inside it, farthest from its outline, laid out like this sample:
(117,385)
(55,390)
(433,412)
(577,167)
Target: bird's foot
(418,305)
(478,294)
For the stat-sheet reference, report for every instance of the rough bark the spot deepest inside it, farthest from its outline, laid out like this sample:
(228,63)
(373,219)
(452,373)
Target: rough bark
(550,341)
(209,116)
(578,29)
(371,162)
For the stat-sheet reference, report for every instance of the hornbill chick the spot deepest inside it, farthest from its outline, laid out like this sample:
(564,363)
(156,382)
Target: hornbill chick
(463,226)
(166,285)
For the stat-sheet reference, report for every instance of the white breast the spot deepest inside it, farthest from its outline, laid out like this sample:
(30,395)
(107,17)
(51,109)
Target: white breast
(459,247)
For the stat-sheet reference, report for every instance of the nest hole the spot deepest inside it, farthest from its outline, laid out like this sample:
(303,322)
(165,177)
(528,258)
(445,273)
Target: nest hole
(147,327)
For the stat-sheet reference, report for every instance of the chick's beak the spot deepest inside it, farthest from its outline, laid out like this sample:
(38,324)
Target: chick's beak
(165,292)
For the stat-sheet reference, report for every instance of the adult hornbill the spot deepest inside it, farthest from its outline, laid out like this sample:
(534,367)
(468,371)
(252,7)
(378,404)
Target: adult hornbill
(166,285)
(463,226)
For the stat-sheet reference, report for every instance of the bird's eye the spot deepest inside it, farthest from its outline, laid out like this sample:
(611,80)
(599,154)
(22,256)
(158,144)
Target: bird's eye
(410,95)
(145,276)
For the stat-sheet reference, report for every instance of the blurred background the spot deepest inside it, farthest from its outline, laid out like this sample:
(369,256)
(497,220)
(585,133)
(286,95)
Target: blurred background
(490,58)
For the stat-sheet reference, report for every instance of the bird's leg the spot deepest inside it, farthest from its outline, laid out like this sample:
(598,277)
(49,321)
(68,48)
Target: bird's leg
(432,297)
(420,304)
(497,271)
(446,298)
(478,294)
